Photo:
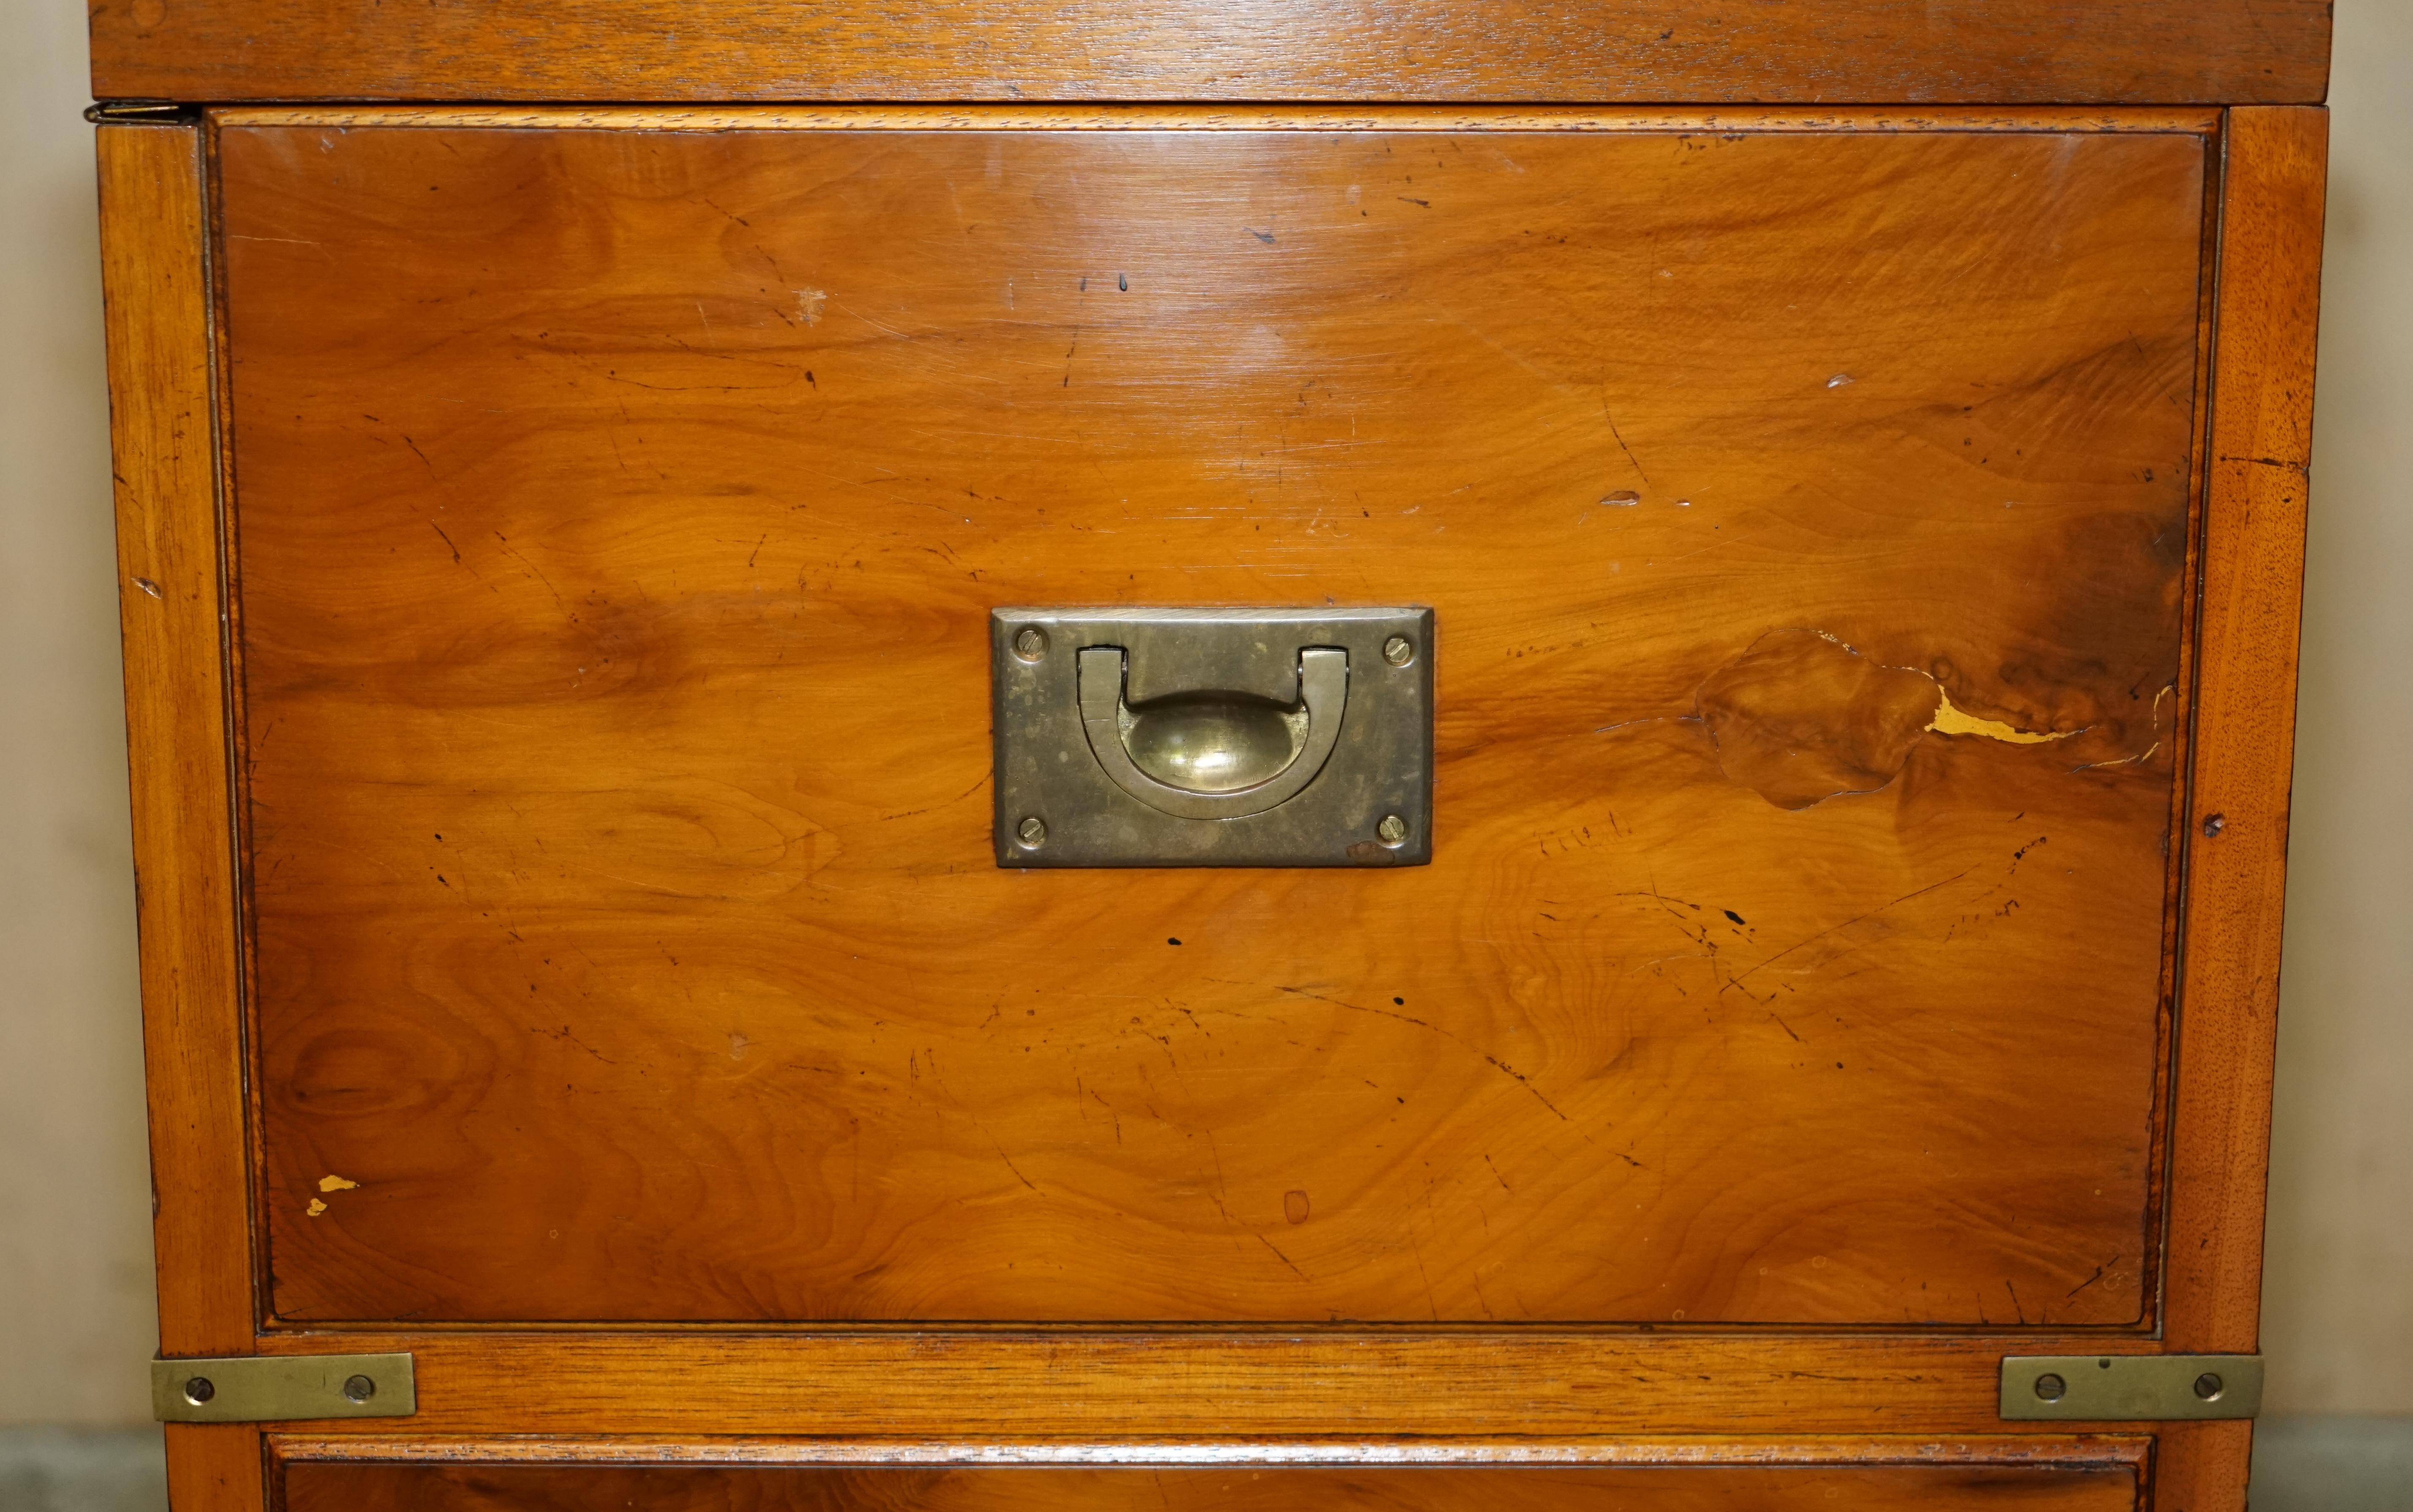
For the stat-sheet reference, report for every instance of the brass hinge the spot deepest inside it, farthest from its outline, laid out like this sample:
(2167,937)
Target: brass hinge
(2134,1388)
(266,1388)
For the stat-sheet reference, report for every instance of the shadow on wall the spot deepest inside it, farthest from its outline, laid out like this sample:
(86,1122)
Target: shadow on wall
(67,1469)
(2333,1465)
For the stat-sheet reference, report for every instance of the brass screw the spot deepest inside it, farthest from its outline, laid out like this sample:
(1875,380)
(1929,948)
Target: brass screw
(2207,1385)
(1392,830)
(2051,1387)
(1030,642)
(360,1388)
(1399,651)
(200,1389)
(1032,833)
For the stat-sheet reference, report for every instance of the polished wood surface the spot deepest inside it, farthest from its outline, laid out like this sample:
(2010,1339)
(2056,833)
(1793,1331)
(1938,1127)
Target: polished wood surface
(2128,1453)
(171,602)
(1806,515)
(1725,52)
(1417,119)
(2255,490)
(1109,1385)
(374,1488)
(2200,1467)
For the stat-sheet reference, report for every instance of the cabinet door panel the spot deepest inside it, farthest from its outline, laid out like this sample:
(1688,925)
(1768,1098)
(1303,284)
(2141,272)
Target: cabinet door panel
(618,514)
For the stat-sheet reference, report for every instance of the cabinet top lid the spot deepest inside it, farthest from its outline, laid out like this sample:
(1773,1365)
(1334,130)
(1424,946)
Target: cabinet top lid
(1460,52)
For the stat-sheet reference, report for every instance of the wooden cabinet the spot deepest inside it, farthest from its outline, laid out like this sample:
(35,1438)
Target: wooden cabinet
(559,542)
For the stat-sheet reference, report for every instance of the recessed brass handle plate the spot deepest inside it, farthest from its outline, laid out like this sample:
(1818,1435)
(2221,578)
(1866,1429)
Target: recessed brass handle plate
(2130,1388)
(267,1389)
(1218,737)
(1211,755)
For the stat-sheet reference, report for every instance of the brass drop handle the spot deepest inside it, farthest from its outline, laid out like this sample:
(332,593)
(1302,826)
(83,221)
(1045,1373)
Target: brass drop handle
(1213,755)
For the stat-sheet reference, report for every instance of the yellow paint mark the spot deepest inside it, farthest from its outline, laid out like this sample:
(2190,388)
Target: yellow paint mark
(335,1183)
(1950,721)
(317,1205)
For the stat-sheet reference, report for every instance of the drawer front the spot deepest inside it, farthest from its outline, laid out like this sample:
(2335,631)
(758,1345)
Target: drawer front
(482,1488)
(1805,515)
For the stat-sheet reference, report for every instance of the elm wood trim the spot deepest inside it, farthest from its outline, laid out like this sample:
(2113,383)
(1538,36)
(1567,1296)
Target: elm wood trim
(2199,1467)
(2266,316)
(989,1387)
(154,273)
(386,1487)
(2044,51)
(1898,1472)
(2190,120)
(216,1467)
(2134,1450)
(172,600)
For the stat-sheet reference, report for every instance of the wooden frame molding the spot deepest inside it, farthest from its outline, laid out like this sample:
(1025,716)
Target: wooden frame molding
(2266,319)
(2023,52)
(2190,120)
(170,606)
(2080,1451)
(2266,316)
(155,266)
(1094,1386)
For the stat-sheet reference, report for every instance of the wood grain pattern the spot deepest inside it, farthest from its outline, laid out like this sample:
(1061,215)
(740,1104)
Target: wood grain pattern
(2086,1451)
(170,600)
(1234,117)
(2268,312)
(216,1467)
(2044,51)
(373,1488)
(165,461)
(1004,1386)
(2200,1467)
(620,514)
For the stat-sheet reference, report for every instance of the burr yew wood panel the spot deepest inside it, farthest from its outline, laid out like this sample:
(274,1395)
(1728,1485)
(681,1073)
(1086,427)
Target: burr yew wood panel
(1807,521)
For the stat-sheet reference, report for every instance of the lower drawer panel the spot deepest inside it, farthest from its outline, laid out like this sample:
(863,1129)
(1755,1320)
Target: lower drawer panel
(323,1487)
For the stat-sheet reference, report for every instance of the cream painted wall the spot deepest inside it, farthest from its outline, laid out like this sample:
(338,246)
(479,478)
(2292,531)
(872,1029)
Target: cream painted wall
(75,1310)
(76,1317)
(2338,1279)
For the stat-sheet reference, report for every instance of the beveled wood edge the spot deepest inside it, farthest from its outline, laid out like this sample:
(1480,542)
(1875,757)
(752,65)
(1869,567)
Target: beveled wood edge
(2179,734)
(163,441)
(1408,117)
(2082,1451)
(2266,313)
(988,1387)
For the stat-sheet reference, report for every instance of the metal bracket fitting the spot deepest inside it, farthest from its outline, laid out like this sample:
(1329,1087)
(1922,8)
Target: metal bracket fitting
(2130,1389)
(268,1388)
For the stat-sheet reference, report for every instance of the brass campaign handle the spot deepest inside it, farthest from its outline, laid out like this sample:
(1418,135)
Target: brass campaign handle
(1210,753)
